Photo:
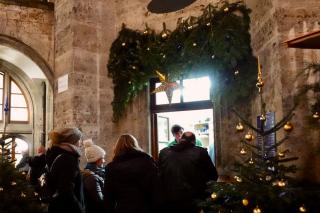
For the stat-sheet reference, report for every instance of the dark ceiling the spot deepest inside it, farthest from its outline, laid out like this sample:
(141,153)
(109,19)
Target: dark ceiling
(166,6)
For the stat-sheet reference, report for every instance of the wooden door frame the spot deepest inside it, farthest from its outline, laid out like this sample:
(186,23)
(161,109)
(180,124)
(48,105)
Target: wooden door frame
(154,109)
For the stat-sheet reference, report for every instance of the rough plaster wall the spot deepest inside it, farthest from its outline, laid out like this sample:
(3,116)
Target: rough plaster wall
(273,22)
(32,26)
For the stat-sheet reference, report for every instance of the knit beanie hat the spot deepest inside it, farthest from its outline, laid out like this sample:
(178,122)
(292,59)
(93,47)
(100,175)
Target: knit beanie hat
(92,151)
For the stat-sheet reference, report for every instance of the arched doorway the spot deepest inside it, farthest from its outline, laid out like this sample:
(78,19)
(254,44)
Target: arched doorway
(26,97)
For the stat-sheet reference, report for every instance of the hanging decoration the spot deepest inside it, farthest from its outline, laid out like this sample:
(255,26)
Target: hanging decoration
(166,86)
(216,44)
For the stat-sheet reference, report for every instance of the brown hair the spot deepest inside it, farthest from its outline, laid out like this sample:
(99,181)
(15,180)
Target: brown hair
(125,142)
(65,135)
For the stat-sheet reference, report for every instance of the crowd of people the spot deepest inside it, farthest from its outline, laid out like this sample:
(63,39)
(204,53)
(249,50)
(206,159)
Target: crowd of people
(133,182)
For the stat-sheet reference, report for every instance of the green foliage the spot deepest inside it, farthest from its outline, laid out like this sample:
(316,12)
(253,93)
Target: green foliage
(217,43)
(16,195)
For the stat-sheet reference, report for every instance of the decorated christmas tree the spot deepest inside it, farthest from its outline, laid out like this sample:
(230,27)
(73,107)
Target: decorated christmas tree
(263,180)
(16,195)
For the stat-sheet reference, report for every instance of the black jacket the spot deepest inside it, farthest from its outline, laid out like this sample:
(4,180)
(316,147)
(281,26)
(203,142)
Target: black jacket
(65,180)
(184,171)
(93,181)
(37,168)
(131,184)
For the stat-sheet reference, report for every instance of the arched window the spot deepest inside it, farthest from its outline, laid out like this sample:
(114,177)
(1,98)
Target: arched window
(13,103)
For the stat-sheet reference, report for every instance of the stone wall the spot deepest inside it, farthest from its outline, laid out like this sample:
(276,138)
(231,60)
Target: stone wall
(274,22)
(32,26)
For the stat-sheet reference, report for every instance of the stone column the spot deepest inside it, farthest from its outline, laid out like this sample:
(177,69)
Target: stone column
(84,31)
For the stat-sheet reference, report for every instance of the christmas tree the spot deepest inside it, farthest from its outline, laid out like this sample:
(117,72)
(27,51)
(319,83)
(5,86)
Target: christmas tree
(263,180)
(16,195)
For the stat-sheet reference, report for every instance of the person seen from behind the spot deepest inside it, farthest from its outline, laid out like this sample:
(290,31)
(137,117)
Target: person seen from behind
(93,177)
(131,179)
(184,171)
(65,179)
(177,132)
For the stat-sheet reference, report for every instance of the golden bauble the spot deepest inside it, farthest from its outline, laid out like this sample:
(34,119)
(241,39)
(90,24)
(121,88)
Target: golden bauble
(236,72)
(214,195)
(257,210)
(164,35)
(260,84)
(208,24)
(251,161)
(238,179)
(281,154)
(281,183)
(263,117)
(249,136)
(240,127)
(243,151)
(302,209)
(245,202)
(226,9)
(194,44)
(316,115)
(288,127)
(123,44)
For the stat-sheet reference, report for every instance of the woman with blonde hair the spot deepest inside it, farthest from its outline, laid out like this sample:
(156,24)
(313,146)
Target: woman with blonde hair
(65,181)
(131,179)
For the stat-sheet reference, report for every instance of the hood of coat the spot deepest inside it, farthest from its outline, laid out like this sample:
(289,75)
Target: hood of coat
(56,150)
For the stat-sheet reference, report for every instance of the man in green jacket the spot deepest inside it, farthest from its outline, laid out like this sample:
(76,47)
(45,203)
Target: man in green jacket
(177,132)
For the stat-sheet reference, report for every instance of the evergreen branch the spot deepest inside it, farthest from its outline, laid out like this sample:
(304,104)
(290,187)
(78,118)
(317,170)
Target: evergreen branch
(287,159)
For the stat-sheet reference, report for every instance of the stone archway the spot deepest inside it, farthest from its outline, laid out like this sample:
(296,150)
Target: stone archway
(29,53)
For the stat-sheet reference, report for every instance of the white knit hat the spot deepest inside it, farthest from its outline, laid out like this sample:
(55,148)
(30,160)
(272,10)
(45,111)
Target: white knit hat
(92,151)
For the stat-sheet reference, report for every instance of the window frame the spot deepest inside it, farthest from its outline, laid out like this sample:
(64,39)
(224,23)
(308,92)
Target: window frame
(10,79)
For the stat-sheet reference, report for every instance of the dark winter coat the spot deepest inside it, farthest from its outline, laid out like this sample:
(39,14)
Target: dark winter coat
(37,168)
(131,184)
(93,181)
(184,171)
(66,180)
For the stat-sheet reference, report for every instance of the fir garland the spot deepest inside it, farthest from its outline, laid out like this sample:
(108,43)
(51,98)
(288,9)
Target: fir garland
(217,43)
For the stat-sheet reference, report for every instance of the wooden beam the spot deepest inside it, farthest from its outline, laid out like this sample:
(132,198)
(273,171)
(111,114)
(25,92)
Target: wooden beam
(307,41)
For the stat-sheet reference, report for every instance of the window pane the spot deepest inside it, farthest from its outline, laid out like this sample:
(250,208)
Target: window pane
(197,89)
(15,88)
(1,96)
(161,97)
(1,111)
(1,80)
(18,101)
(19,114)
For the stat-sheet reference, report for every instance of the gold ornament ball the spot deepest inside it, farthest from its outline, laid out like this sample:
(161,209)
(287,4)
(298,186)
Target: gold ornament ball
(268,178)
(208,24)
(281,154)
(214,195)
(239,127)
(288,127)
(190,27)
(123,44)
(257,210)
(245,202)
(281,183)
(243,151)
(251,161)
(164,35)
(194,44)
(226,9)
(260,84)
(238,179)
(302,209)
(249,136)
(13,183)
(263,117)
(236,72)
(316,115)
